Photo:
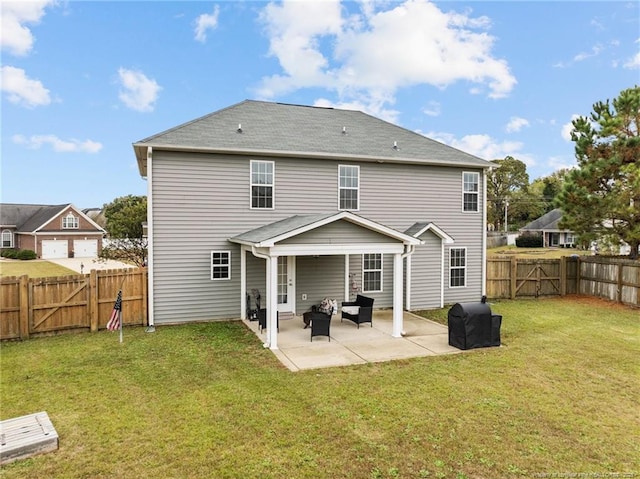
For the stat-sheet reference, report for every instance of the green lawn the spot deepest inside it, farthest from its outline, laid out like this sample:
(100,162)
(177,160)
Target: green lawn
(33,268)
(206,400)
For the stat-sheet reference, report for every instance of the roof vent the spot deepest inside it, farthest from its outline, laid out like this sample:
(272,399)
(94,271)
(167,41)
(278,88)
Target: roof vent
(239,130)
(395,145)
(344,130)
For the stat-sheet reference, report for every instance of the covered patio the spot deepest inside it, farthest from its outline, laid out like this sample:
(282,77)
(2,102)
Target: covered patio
(350,345)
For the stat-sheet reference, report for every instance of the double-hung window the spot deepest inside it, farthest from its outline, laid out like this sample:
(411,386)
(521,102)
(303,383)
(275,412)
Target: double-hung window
(220,265)
(457,267)
(470,191)
(262,179)
(348,187)
(70,222)
(372,273)
(7,239)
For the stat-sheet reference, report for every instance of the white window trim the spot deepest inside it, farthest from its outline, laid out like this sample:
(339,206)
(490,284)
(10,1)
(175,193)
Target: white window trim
(464,268)
(10,233)
(374,270)
(340,188)
(273,183)
(228,265)
(477,193)
(76,222)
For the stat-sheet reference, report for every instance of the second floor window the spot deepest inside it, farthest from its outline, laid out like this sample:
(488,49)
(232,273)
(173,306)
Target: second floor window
(371,273)
(470,191)
(348,187)
(70,222)
(262,184)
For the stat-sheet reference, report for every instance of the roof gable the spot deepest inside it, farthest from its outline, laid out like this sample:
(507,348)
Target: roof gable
(269,235)
(31,218)
(257,127)
(548,221)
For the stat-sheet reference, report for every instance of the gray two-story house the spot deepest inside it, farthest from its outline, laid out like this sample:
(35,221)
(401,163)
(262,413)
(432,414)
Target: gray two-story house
(302,203)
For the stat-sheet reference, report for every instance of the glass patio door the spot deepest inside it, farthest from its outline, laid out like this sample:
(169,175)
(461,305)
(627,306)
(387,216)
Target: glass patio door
(286,283)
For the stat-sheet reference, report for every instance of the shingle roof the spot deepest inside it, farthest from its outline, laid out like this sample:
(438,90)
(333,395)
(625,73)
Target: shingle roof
(27,217)
(548,221)
(258,126)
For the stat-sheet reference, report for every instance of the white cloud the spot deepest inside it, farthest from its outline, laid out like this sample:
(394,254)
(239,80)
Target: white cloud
(595,51)
(61,146)
(485,147)
(516,124)
(21,89)
(432,109)
(560,163)
(138,92)
(567,128)
(15,37)
(633,63)
(375,52)
(206,22)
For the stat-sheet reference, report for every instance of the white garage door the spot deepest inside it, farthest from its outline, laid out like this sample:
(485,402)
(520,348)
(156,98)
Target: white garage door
(85,248)
(53,249)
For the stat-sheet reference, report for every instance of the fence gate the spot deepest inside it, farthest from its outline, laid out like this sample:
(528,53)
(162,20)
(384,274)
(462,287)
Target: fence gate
(57,304)
(537,278)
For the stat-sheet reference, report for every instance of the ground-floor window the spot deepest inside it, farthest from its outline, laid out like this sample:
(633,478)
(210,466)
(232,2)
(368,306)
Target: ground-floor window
(372,273)
(457,267)
(7,239)
(221,265)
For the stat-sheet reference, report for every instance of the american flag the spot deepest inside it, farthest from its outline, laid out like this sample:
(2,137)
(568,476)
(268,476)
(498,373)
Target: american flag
(116,315)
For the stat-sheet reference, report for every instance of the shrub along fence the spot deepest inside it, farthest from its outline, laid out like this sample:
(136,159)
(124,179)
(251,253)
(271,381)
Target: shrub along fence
(616,279)
(38,306)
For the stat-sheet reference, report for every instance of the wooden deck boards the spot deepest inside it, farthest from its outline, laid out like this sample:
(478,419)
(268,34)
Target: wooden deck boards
(26,436)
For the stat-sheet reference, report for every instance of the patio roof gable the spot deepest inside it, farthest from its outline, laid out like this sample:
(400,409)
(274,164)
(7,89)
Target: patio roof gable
(269,235)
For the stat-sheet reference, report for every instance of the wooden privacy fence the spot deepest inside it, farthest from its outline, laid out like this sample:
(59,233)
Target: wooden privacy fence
(36,306)
(616,279)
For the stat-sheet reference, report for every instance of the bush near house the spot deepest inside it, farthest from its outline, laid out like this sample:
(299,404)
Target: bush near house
(9,253)
(26,254)
(529,241)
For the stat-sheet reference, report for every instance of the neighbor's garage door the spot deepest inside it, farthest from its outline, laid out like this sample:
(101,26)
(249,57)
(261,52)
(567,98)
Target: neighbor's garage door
(85,248)
(52,249)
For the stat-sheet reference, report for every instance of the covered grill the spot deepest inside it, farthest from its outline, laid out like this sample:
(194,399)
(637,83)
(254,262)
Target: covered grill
(471,325)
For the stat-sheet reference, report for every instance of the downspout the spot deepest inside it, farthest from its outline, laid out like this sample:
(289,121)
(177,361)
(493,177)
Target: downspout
(484,234)
(150,235)
(409,251)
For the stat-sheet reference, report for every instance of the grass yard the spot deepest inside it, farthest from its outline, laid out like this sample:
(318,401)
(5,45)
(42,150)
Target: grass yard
(206,400)
(33,268)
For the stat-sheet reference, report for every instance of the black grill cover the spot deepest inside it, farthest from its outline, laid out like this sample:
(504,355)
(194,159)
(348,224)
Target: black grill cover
(471,325)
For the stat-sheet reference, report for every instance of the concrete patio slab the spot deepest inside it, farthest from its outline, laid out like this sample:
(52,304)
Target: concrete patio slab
(350,345)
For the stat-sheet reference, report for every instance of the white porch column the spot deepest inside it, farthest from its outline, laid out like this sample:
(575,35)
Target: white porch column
(243,282)
(397,296)
(347,284)
(272,302)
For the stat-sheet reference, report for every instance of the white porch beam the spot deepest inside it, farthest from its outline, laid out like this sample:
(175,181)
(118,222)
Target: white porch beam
(397,296)
(336,249)
(347,283)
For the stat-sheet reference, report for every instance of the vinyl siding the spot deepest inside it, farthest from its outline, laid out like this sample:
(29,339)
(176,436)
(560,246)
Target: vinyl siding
(426,267)
(199,201)
(318,278)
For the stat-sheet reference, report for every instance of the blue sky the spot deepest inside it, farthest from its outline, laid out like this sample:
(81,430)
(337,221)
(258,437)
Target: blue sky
(82,81)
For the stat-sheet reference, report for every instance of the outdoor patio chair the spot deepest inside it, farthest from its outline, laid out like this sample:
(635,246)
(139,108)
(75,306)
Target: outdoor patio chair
(262,319)
(358,311)
(320,324)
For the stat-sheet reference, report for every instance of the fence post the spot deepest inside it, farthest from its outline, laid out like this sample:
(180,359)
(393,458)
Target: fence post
(94,308)
(24,307)
(563,276)
(578,276)
(620,283)
(514,277)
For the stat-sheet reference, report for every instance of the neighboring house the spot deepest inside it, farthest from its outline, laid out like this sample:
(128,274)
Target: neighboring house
(52,231)
(552,234)
(303,203)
